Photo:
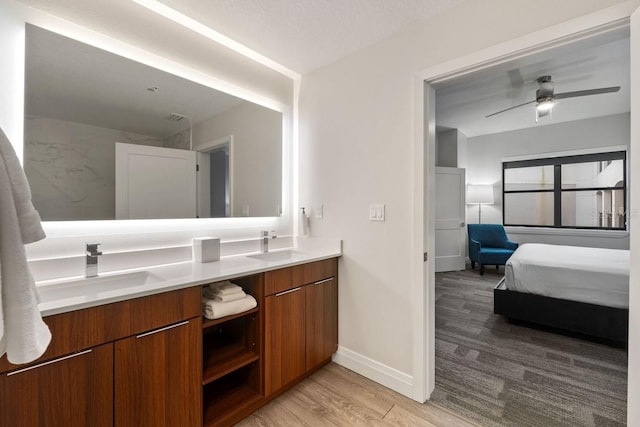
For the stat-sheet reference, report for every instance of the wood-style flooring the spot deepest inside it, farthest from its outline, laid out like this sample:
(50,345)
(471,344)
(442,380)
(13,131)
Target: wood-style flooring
(502,374)
(335,396)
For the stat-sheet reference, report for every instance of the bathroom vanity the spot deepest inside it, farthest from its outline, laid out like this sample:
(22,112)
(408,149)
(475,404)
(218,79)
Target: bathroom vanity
(150,358)
(130,347)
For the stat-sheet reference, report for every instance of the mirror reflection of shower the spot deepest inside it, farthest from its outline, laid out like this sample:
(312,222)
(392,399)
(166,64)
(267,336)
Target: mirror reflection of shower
(175,117)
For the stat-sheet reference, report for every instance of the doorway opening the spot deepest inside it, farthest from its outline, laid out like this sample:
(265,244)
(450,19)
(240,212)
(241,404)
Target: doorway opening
(453,82)
(215,179)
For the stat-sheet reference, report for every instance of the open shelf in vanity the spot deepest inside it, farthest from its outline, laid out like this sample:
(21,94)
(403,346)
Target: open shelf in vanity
(232,360)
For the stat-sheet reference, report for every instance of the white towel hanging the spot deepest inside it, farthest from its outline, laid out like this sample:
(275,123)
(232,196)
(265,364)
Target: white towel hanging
(23,334)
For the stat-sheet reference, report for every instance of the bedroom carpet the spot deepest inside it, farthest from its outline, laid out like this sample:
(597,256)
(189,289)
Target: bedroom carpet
(500,374)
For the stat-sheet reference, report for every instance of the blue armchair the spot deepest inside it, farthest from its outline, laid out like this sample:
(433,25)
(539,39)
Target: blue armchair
(489,245)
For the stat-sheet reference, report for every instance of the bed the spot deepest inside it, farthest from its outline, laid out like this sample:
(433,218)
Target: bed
(576,289)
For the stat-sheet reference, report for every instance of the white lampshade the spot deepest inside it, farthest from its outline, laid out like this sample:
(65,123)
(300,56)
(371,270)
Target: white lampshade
(480,194)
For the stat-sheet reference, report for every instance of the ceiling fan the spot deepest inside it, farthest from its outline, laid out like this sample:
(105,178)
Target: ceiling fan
(545,97)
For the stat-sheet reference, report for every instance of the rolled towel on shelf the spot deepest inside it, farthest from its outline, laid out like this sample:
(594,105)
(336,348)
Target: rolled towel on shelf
(207,293)
(212,309)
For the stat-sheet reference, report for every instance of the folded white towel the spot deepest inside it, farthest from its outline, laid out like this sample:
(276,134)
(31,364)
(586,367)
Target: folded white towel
(207,293)
(23,334)
(225,288)
(215,309)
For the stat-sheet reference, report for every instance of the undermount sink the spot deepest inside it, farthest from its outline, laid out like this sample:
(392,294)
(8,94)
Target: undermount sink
(276,255)
(53,290)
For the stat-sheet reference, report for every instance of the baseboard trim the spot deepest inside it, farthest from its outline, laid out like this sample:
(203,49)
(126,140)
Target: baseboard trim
(376,371)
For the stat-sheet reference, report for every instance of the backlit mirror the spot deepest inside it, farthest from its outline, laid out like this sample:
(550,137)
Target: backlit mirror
(110,138)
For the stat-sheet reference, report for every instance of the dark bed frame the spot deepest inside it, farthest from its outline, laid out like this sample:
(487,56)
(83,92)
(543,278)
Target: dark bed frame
(604,323)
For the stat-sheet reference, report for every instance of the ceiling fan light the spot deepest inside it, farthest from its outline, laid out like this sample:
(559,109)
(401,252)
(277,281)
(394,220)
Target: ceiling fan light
(545,105)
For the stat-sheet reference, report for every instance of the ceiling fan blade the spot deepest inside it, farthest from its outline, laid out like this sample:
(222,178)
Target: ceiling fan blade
(511,108)
(586,92)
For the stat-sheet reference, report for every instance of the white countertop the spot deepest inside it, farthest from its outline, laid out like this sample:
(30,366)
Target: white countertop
(69,294)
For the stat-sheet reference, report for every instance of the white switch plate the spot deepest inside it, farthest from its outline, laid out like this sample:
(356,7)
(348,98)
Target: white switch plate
(319,211)
(376,212)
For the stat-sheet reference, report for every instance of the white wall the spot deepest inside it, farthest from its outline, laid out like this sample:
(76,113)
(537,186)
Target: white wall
(486,153)
(356,139)
(447,148)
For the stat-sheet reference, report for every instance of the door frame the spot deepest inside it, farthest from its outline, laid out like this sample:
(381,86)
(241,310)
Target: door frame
(423,179)
(214,145)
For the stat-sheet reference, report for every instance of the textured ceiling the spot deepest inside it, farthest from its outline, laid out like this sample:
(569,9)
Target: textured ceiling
(304,35)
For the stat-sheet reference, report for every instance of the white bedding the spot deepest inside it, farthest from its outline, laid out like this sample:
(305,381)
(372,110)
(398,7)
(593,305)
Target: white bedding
(592,275)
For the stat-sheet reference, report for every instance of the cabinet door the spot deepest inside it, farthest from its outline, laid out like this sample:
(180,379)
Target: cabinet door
(284,338)
(75,390)
(321,321)
(158,377)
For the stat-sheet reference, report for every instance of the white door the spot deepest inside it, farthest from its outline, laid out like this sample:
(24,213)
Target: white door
(449,220)
(155,182)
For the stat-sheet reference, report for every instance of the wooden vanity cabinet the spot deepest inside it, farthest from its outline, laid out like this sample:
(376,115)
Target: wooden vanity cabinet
(157,377)
(77,382)
(154,361)
(321,321)
(284,338)
(74,390)
(301,321)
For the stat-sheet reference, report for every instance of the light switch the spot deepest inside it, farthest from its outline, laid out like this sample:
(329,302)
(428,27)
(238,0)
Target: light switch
(319,211)
(376,212)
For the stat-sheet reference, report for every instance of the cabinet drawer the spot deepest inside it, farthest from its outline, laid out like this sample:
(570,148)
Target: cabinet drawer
(93,326)
(285,278)
(291,277)
(320,270)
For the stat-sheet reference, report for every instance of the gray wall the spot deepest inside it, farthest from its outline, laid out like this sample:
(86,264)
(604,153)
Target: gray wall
(486,152)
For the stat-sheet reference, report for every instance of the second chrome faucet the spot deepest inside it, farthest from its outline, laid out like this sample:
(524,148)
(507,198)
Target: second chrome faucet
(92,259)
(264,240)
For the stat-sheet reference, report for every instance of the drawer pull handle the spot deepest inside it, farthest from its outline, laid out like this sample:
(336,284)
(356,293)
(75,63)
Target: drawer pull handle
(320,282)
(60,359)
(289,291)
(162,329)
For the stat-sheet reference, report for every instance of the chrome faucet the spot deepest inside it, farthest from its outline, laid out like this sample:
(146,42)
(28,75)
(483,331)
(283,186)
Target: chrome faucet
(92,259)
(264,241)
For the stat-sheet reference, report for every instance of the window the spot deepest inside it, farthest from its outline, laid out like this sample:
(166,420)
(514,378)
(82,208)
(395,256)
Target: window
(583,191)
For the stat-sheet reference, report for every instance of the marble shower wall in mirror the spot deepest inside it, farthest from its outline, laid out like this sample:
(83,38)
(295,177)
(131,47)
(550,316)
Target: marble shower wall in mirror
(80,101)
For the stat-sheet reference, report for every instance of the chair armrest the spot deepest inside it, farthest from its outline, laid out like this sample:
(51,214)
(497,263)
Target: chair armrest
(508,244)
(474,248)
